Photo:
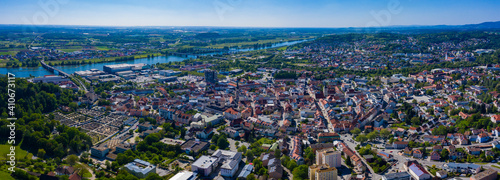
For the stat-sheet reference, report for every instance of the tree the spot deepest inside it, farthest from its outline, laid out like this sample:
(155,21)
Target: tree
(361,138)
(72,159)
(222,142)
(41,153)
(277,153)
(356,131)
(73,106)
(242,149)
(372,135)
(444,154)
(385,133)
(153,176)
(300,172)
(348,161)
(249,156)
(251,176)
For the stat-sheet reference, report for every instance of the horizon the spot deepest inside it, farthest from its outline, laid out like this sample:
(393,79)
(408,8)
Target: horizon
(265,27)
(248,14)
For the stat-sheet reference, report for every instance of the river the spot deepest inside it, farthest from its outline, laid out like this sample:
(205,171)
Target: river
(70,69)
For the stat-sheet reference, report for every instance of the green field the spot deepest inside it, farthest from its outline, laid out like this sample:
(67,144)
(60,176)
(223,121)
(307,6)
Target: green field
(5,149)
(12,53)
(6,175)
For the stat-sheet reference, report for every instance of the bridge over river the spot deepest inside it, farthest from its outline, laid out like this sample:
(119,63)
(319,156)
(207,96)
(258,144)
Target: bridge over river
(52,69)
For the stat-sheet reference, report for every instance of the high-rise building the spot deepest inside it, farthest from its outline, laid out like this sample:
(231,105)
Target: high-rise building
(211,76)
(329,157)
(322,172)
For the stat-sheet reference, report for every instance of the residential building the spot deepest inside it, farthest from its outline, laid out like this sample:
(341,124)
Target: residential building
(487,174)
(418,172)
(322,172)
(329,157)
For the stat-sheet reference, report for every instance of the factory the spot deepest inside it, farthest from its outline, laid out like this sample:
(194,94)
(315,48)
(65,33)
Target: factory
(111,69)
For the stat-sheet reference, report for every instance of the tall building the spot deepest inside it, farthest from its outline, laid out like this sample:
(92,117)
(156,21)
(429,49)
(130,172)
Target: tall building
(211,76)
(322,172)
(329,157)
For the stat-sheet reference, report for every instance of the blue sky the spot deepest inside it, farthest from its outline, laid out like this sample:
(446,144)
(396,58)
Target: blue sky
(249,13)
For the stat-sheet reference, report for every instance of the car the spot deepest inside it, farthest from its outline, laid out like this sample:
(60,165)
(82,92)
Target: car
(391,151)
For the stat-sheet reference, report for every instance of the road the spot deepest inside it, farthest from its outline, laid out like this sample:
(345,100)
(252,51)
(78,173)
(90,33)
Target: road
(348,140)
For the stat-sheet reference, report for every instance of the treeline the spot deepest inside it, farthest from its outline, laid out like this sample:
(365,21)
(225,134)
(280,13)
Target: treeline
(35,133)
(27,63)
(34,97)
(285,75)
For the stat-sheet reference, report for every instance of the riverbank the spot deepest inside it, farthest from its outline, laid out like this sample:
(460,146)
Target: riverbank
(101,60)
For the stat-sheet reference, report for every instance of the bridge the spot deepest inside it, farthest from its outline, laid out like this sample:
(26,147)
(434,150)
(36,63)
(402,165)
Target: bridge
(52,69)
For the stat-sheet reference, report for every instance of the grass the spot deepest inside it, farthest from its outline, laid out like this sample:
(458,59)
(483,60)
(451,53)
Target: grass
(69,50)
(6,175)
(495,166)
(481,163)
(5,149)
(99,60)
(12,53)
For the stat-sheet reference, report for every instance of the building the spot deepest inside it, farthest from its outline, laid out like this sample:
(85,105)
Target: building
(228,160)
(462,167)
(418,172)
(50,79)
(211,76)
(322,172)
(194,146)
(275,169)
(399,144)
(247,169)
(328,137)
(168,73)
(140,168)
(111,69)
(442,174)
(329,157)
(99,151)
(184,175)
(385,156)
(487,174)
(205,165)
(397,176)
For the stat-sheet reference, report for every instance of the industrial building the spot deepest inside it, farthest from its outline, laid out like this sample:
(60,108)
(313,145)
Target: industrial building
(124,67)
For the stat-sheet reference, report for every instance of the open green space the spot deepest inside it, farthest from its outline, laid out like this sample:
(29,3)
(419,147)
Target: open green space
(5,149)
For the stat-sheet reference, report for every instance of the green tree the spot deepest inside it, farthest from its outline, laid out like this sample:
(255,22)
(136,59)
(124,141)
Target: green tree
(300,172)
(372,135)
(41,153)
(356,131)
(222,142)
(385,133)
(153,176)
(73,106)
(361,138)
(72,159)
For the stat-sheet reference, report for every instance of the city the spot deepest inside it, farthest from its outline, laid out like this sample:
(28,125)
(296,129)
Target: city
(232,102)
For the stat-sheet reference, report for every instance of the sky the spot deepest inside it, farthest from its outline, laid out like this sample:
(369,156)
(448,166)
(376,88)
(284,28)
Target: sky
(249,13)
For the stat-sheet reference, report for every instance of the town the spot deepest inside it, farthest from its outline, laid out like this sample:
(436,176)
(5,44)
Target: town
(337,107)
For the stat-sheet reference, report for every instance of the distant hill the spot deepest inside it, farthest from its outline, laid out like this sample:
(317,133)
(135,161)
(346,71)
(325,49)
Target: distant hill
(484,25)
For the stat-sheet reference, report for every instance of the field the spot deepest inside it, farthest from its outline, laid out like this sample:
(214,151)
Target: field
(4,150)
(5,175)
